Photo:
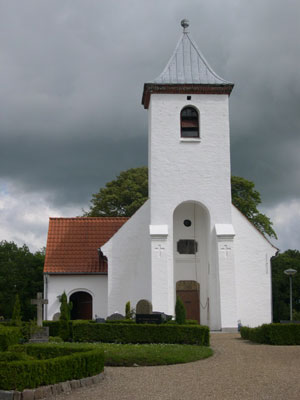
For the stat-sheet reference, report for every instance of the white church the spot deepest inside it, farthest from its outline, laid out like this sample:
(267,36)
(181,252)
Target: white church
(187,240)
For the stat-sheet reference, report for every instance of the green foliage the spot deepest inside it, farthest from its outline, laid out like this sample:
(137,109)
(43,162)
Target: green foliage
(140,333)
(16,315)
(55,339)
(53,363)
(281,285)
(152,354)
(128,192)
(180,313)
(20,272)
(9,336)
(127,310)
(123,196)
(246,199)
(64,319)
(275,334)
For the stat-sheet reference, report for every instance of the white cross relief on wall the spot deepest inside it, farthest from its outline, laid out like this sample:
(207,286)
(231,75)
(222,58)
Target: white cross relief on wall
(159,250)
(226,249)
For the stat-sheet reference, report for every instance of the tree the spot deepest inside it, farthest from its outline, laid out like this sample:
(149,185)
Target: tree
(121,197)
(64,319)
(281,287)
(21,272)
(16,315)
(246,199)
(180,313)
(128,192)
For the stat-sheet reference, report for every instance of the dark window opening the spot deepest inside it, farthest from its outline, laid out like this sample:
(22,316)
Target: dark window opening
(187,246)
(189,119)
(187,222)
(189,97)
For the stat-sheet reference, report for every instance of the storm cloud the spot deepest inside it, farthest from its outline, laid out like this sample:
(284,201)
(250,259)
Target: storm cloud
(71,78)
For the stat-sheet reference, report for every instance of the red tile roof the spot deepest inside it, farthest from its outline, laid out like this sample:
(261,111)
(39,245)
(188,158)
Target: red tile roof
(73,243)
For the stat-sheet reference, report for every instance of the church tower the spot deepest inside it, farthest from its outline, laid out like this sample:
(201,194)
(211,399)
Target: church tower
(192,254)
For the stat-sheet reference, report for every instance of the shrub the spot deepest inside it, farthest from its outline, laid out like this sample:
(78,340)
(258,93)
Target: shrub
(141,333)
(56,363)
(180,313)
(16,315)
(8,336)
(55,339)
(276,334)
(65,310)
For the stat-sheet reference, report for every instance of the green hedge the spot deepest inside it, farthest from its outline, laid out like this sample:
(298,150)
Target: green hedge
(54,328)
(276,334)
(55,363)
(140,333)
(8,336)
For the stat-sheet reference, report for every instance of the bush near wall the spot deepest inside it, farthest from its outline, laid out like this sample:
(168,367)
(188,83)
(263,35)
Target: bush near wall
(276,334)
(54,328)
(8,336)
(140,333)
(55,363)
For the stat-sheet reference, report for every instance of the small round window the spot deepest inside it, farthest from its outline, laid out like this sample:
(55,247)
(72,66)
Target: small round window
(187,222)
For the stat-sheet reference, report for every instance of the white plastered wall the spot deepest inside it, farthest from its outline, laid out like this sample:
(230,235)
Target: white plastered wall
(128,254)
(95,285)
(183,170)
(253,272)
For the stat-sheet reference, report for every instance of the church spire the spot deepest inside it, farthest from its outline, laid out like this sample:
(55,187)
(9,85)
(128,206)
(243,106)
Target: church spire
(187,64)
(186,72)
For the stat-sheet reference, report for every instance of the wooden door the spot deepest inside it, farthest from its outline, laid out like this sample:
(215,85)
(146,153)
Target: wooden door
(189,293)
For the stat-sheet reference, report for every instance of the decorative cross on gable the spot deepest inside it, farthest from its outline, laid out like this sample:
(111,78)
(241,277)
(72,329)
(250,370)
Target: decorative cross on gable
(226,249)
(159,249)
(39,301)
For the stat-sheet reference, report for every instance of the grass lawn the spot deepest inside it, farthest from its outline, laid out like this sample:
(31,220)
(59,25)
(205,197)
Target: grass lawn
(152,354)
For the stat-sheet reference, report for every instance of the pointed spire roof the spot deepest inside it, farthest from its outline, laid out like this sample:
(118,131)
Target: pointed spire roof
(186,72)
(187,64)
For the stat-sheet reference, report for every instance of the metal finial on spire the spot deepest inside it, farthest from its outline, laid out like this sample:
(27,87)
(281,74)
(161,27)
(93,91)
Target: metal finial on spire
(185,24)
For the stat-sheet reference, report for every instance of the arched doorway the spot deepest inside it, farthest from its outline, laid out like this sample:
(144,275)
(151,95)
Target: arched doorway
(82,305)
(189,293)
(191,227)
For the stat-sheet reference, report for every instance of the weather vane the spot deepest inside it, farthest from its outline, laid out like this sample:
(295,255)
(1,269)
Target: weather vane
(185,24)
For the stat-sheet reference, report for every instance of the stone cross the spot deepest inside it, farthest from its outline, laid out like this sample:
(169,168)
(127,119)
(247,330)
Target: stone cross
(39,301)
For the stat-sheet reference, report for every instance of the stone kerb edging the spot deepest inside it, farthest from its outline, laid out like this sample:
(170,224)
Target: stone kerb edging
(46,392)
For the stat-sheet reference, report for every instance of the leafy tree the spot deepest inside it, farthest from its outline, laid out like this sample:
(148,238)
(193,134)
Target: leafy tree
(128,192)
(281,286)
(16,315)
(123,196)
(21,272)
(246,199)
(180,313)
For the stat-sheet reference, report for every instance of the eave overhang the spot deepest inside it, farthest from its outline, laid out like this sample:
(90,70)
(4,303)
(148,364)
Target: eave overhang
(187,89)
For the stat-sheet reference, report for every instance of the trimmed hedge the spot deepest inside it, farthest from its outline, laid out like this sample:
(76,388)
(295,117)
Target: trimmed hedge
(8,336)
(55,363)
(54,328)
(140,333)
(275,334)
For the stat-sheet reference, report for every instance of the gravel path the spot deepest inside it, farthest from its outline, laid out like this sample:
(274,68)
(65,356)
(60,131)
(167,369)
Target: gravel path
(238,370)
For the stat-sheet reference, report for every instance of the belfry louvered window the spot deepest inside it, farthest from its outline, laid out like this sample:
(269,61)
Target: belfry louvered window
(189,119)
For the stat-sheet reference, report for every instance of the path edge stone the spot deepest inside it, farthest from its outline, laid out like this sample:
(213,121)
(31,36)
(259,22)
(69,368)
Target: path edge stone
(49,391)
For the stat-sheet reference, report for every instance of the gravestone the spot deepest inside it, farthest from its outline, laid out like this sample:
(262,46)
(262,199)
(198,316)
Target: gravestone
(42,333)
(56,316)
(115,317)
(100,320)
(39,301)
(144,307)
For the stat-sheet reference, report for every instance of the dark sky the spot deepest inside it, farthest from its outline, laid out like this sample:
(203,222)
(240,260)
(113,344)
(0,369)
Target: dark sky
(71,79)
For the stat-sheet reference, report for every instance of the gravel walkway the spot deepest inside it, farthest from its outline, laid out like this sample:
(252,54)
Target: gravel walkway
(238,370)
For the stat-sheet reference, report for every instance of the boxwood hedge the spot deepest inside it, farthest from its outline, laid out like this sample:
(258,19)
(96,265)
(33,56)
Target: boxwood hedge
(276,334)
(8,336)
(50,364)
(140,333)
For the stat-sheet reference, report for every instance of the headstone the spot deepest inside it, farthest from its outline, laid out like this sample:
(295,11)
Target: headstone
(115,317)
(100,320)
(39,301)
(144,307)
(40,336)
(148,318)
(56,316)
